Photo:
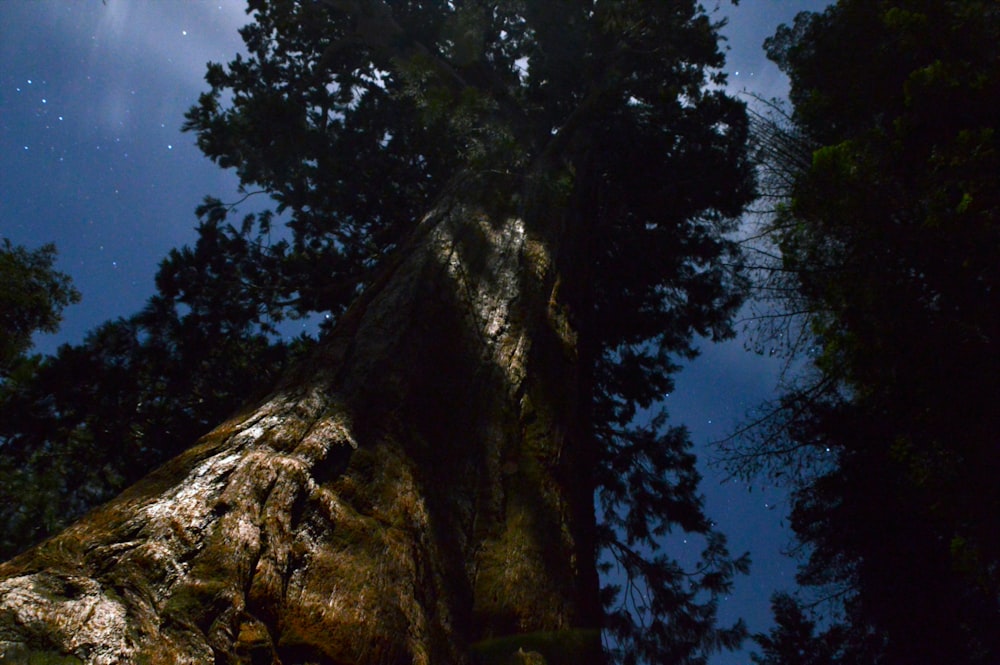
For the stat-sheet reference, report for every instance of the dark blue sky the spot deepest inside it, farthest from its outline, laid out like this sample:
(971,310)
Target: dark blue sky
(92,97)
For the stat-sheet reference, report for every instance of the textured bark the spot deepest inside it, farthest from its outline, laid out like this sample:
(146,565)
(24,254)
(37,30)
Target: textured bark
(416,493)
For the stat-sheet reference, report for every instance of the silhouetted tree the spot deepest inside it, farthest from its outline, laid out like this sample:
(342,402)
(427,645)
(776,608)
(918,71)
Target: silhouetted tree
(795,640)
(32,297)
(888,242)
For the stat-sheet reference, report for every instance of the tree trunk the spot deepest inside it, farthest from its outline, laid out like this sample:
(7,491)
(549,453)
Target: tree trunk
(419,492)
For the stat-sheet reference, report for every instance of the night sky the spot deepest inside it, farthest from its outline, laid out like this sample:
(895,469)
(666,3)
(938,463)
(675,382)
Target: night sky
(92,98)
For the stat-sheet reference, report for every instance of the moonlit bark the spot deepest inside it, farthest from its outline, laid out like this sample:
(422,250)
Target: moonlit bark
(415,491)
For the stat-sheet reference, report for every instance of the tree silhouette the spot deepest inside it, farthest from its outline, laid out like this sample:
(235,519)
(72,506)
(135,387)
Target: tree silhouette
(888,245)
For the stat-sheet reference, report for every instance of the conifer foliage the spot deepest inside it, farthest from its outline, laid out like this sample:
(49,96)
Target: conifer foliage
(32,297)
(889,241)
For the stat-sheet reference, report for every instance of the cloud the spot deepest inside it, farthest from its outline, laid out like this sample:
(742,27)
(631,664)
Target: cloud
(174,39)
(119,49)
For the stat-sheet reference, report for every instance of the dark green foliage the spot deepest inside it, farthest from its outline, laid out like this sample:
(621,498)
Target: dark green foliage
(647,487)
(316,123)
(32,296)
(890,240)
(593,122)
(795,640)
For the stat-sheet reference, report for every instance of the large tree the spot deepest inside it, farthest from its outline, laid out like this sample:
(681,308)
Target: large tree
(888,237)
(516,213)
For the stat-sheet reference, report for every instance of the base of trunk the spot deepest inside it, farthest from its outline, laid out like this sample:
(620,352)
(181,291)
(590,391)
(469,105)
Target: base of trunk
(408,496)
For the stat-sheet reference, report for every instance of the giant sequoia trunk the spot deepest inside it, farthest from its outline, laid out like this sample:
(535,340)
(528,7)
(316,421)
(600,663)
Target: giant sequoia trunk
(419,492)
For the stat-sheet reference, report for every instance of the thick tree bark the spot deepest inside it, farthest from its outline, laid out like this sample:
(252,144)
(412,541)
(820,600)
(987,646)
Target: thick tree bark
(419,492)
